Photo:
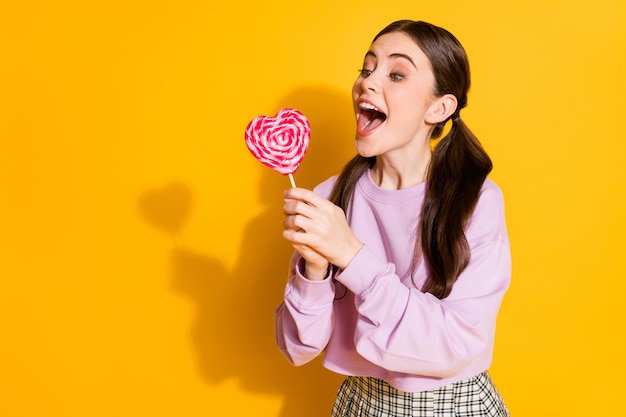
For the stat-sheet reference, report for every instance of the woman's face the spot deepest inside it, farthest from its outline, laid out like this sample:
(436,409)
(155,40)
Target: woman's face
(392,97)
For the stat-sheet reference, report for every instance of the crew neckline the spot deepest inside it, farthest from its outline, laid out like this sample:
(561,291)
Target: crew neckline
(370,188)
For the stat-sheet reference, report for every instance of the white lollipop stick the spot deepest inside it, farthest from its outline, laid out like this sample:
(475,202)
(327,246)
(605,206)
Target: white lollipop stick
(293,183)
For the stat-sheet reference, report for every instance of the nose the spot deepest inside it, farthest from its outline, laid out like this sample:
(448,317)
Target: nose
(370,83)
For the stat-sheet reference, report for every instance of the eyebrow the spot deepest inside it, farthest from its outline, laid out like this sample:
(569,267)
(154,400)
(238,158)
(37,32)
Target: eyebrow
(396,55)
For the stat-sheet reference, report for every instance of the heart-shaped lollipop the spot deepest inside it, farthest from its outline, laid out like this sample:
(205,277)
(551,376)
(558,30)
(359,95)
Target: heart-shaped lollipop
(279,142)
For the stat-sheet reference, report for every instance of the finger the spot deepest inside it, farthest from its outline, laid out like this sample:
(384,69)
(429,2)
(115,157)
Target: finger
(292,236)
(297,222)
(305,195)
(288,223)
(293,207)
(296,234)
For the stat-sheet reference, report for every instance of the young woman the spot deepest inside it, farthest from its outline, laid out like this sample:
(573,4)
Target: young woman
(402,260)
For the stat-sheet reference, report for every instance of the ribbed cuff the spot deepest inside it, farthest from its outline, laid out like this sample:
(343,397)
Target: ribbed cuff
(307,292)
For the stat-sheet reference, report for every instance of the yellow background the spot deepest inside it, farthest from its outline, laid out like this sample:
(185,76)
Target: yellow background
(141,256)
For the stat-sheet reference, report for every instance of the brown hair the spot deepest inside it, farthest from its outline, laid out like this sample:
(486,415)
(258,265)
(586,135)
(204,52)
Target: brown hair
(457,170)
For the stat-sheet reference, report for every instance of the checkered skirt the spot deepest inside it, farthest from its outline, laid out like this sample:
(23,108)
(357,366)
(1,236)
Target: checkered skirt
(373,397)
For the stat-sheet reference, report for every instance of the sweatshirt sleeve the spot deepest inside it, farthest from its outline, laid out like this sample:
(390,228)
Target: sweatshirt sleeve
(404,330)
(304,320)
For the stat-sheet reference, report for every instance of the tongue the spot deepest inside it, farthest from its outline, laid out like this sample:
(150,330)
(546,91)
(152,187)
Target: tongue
(371,119)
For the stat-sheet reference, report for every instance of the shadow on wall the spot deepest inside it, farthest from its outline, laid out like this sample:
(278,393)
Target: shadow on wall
(233,333)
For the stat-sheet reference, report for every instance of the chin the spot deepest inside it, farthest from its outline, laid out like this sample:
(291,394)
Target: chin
(364,150)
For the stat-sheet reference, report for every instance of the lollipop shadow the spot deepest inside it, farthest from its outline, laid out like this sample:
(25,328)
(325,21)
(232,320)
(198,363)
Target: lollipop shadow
(233,331)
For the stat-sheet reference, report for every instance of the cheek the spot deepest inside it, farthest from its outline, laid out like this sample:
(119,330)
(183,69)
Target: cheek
(415,100)
(356,88)
(355,98)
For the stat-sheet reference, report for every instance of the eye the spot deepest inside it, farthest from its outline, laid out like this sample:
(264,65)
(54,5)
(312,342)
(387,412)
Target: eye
(396,77)
(365,72)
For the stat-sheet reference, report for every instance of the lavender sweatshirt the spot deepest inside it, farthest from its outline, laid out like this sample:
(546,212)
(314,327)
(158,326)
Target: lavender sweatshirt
(370,319)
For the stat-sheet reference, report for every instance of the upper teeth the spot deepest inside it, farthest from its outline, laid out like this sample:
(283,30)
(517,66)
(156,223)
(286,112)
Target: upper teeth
(367,106)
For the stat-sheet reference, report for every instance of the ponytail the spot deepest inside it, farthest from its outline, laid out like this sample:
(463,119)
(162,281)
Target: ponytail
(346,182)
(458,168)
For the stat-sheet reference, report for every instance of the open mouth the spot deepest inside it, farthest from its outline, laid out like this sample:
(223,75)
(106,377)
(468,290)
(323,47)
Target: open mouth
(370,117)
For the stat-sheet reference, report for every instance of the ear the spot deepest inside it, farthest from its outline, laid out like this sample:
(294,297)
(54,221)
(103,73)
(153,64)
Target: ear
(441,108)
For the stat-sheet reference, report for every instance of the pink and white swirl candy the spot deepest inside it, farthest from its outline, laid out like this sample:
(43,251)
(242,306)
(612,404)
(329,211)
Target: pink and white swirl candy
(279,142)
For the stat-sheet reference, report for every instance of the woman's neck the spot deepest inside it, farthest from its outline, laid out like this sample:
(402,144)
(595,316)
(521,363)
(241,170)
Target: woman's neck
(400,173)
